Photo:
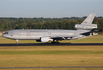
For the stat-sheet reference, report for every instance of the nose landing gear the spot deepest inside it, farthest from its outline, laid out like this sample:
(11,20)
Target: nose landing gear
(16,41)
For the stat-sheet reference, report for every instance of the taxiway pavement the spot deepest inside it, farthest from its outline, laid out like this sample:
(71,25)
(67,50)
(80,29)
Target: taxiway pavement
(49,44)
(53,67)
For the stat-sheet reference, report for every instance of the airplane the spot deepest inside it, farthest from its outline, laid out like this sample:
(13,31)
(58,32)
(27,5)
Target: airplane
(84,29)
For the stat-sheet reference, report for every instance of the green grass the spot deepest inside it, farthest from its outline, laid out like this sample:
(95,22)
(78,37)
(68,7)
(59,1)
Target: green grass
(31,56)
(48,52)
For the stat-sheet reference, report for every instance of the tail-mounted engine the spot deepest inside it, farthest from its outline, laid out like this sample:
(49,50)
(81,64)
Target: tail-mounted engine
(85,26)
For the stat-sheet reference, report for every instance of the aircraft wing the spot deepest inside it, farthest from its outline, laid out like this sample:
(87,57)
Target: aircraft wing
(61,37)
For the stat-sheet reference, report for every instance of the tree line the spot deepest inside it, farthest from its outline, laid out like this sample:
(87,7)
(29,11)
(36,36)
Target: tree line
(45,23)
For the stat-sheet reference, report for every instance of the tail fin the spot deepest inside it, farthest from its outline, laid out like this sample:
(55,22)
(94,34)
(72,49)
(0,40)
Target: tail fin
(89,19)
(87,23)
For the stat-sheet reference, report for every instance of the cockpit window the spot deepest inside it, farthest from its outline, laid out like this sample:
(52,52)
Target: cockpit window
(6,33)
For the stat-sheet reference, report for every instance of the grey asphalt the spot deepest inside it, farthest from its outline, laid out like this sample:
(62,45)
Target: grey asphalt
(49,44)
(53,67)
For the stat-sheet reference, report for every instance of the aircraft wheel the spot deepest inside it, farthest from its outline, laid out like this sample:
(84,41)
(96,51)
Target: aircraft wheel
(55,42)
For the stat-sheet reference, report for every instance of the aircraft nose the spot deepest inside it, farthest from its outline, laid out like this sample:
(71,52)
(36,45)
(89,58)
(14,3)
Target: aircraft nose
(3,35)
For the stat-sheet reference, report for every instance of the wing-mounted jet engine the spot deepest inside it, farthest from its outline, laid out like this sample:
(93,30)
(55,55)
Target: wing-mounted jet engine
(44,39)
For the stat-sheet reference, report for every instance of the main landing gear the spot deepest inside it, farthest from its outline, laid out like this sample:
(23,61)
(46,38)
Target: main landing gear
(55,42)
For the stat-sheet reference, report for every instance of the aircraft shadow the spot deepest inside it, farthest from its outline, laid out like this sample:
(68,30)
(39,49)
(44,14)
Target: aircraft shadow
(49,44)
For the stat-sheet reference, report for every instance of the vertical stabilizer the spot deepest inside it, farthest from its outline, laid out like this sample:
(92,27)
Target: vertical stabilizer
(89,19)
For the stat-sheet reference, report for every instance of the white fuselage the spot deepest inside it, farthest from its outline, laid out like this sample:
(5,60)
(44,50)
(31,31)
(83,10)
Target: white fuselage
(37,34)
